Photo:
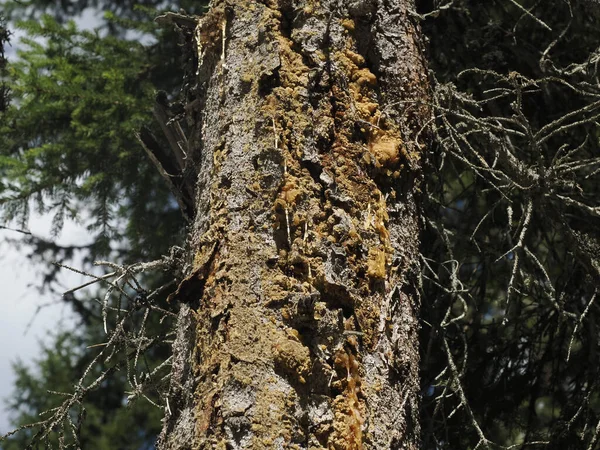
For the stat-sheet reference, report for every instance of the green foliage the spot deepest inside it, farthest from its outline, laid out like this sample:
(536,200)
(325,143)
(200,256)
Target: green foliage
(68,148)
(68,144)
(127,10)
(4,91)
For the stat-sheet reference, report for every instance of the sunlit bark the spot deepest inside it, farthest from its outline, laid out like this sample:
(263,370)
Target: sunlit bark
(299,328)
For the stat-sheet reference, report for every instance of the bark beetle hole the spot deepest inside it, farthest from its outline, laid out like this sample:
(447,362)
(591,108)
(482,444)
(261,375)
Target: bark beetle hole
(268,182)
(365,46)
(269,160)
(300,270)
(288,15)
(225,182)
(268,82)
(239,427)
(214,324)
(256,162)
(314,169)
(336,298)
(281,238)
(377,285)
(361,132)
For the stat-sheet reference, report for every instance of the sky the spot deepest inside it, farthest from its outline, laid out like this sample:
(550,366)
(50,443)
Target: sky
(22,326)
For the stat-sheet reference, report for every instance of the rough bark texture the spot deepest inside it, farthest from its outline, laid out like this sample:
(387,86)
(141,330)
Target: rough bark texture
(302,325)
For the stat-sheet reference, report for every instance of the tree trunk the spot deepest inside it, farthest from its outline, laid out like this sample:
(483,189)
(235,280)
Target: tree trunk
(299,321)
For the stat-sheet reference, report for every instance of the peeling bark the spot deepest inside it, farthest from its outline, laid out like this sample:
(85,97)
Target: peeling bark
(301,329)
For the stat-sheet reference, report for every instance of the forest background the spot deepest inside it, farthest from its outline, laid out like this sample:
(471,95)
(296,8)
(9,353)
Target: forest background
(510,241)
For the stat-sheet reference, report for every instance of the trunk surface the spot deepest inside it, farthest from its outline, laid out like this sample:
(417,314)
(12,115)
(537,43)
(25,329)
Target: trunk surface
(299,323)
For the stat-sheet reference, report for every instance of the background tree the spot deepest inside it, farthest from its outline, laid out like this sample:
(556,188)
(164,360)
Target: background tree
(106,422)
(4,40)
(510,253)
(68,148)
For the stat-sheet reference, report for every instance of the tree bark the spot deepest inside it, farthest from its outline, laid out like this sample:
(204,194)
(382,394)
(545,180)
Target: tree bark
(299,319)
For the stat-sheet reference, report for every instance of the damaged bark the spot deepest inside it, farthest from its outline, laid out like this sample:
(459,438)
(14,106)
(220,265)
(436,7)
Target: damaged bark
(299,324)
